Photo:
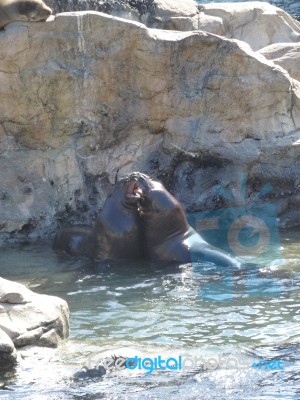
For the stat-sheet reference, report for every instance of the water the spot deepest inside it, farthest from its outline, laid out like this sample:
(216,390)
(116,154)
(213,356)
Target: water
(228,319)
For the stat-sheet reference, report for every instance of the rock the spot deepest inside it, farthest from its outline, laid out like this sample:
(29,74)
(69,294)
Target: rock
(257,23)
(282,205)
(295,201)
(87,373)
(142,9)
(29,338)
(49,339)
(163,12)
(290,219)
(8,354)
(172,8)
(181,16)
(290,6)
(28,318)
(286,55)
(129,9)
(14,293)
(89,96)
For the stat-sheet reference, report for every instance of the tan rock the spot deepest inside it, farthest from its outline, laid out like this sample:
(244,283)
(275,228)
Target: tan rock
(89,95)
(49,339)
(8,354)
(14,293)
(286,55)
(173,8)
(257,23)
(31,337)
(26,316)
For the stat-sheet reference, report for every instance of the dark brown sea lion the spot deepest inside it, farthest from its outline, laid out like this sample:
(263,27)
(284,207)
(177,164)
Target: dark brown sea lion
(116,233)
(167,236)
(23,10)
(117,230)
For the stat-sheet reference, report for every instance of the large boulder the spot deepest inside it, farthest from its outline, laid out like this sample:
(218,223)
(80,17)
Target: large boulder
(290,6)
(143,9)
(87,96)
(286,55)
(28,318)
(257,23)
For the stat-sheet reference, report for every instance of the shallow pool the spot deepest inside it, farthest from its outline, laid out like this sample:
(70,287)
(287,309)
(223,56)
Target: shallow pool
(220,322)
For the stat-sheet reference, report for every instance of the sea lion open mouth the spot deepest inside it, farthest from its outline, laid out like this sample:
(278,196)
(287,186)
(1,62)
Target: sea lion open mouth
(134,191)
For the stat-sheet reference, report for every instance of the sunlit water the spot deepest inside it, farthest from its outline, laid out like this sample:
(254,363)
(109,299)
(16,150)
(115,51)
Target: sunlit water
(229,319)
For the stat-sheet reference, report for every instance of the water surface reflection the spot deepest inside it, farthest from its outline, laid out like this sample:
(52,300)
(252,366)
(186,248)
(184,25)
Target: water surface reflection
(137,308)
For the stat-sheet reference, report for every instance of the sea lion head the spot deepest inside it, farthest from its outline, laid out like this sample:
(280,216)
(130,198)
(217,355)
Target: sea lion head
(153,195)
(126,191)
(138,190)
(157,206)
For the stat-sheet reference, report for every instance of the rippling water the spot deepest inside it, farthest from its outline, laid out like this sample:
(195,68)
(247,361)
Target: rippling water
(229,319)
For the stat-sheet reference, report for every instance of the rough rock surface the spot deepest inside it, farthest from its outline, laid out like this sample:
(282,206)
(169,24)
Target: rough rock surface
(138,9)
(290,6)
(287,55)
(257,23)
(28,318)
(87,95)
(8,353)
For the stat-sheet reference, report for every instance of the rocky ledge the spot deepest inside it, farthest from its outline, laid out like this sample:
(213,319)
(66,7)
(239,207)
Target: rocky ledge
(145,10)
(28,318)
(194,99)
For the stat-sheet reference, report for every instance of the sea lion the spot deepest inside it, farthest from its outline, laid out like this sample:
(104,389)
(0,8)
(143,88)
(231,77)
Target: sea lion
(167,236)
(23,10)
(116,232)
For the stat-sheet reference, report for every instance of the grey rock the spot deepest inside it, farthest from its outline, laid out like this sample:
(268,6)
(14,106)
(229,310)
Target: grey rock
(87,373)
(14,293)
(286,55)
(41,320)
(295,201)
(289,219)
(49,339)
(30,337)
(8,354)
(290,6)
(106,96)
(257,23)
(138,9)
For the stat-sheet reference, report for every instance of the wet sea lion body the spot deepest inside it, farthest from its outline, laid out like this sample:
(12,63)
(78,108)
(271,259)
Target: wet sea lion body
(167,236)
(23,10)
(140,219)
(116,232)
